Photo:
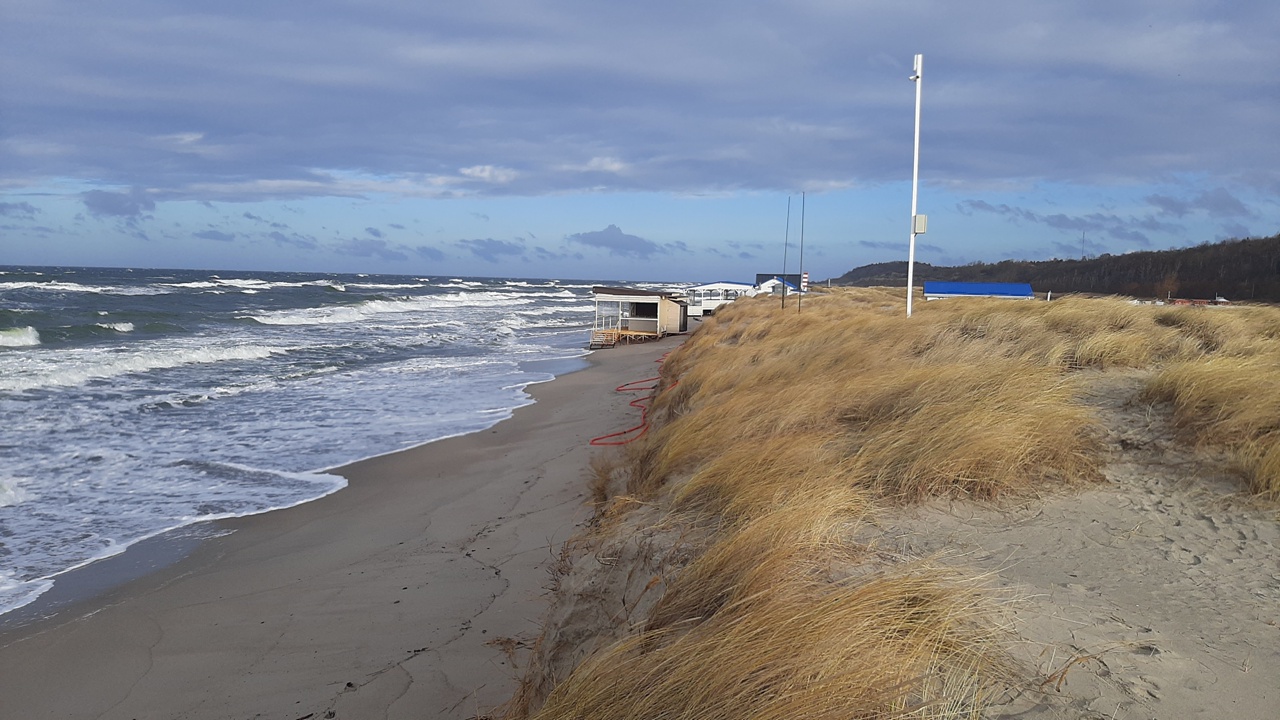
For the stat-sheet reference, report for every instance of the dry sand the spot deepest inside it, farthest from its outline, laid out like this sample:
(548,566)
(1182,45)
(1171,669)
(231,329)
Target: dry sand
(390,599)
(1156,595)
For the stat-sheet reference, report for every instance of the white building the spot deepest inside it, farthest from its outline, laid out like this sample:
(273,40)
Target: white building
(705,299)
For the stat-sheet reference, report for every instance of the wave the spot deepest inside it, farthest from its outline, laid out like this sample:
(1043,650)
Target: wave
(12,493)
(77,287)
(118,327)
(85,367)
(255,284)
(16,593)
(19,337)
(360,312)
(557,309)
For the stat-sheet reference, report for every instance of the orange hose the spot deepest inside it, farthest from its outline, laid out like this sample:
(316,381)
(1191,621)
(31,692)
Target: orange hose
(632,434)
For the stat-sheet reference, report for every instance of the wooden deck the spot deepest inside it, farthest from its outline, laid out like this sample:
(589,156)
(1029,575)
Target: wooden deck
(611,337)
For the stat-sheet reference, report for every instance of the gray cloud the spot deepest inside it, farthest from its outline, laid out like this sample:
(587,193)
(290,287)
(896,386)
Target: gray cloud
(1217,203)
(491,250)
(116,204)
(293,240)
(501,98)
(616,242)
(1131,229)
(373,232)
(898,246)
(369,247)
(429,253)
(23,210)
(217,235)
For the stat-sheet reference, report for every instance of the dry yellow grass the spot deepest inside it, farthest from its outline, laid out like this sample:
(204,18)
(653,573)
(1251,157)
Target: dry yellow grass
(909,642)
(775,432)
(946,404)
(1231,402)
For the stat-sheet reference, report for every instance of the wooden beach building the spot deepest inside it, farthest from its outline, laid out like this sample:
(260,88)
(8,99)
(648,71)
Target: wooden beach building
(625,314)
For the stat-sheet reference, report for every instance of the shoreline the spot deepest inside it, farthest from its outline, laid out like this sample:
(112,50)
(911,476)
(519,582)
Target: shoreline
(93,578)
(382,595)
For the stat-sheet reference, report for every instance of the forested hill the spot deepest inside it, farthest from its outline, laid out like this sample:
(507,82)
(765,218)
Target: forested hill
(1235,269)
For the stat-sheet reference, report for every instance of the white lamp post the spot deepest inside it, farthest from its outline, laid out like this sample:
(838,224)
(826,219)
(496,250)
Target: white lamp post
(918,222)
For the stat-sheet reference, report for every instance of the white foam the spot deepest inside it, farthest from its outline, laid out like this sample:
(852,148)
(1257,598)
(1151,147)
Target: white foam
(57,286)
(19,337)
(361,312)
(14,594)
(118,327)
(80,367)
(12,492)
(387,286)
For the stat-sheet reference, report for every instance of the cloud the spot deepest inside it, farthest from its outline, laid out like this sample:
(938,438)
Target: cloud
(293,240)
(1132,229)
(24,210)
(616,242)
(1233,231)
(116,204)
(369,247)
(900,247)
(636,112)
(374,232)
(490,174)
(1217,203)
(429,253)
(215,235)
(491,250)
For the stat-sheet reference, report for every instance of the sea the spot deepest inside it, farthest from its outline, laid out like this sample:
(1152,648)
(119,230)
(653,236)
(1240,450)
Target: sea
(136,402)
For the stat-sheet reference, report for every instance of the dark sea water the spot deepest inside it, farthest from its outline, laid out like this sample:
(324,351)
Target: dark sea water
(135,402)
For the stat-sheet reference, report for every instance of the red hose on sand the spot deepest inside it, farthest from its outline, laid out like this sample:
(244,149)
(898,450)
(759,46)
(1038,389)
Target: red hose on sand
(641,403)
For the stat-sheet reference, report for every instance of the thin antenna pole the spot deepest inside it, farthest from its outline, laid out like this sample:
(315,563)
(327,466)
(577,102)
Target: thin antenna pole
(800,295)
(915,182)
(786,240)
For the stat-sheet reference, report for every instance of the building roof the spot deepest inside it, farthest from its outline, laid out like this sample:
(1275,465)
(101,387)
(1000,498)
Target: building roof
(722,283)
(631,292)
(976,289)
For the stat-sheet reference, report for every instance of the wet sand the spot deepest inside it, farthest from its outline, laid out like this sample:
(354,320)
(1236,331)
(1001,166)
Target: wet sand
(393,598)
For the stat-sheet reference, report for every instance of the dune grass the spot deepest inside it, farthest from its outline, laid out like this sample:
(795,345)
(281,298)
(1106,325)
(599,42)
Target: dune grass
(1231,402)
(908,643)
(775,434)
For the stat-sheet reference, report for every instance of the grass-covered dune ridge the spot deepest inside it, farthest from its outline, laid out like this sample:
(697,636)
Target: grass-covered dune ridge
(734,547)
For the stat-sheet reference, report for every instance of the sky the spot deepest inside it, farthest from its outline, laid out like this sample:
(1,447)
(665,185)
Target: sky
(594,139)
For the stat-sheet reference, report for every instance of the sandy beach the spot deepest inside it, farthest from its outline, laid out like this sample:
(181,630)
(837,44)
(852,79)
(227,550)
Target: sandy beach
(398,597)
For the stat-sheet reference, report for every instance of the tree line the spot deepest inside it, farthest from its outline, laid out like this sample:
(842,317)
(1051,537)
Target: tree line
(1246,269)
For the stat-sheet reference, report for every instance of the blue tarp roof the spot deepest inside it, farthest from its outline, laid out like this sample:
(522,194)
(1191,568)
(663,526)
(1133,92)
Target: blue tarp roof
(973,288)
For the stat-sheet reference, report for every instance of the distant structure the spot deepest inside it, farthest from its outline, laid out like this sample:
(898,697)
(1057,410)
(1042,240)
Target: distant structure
(793,280)
(706,299)
(1217,300)
(776,286)
(936,290)
(625,314)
